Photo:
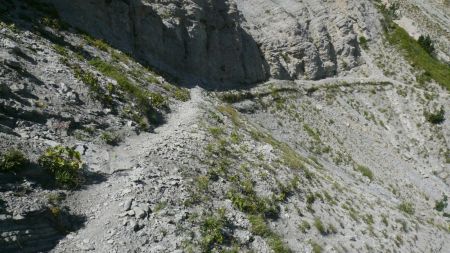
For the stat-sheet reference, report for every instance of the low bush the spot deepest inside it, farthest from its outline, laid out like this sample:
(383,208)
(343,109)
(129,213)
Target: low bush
(13,161)
(441,204)
(213,231)
(64,164)
(435,117)
(252,204)
(323,229)
(363,42)
(98,43)
(234,97)
(182,94)
(110,138)
(304,226)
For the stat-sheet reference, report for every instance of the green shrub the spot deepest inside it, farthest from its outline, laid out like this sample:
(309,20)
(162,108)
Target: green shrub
(61,50)
(426,43)
(63,163)
(12,161)
(234,97)
(216,132)
(384,220)
(153,79)
(435,117)
(407,207)
(160,206)
(441,204)
(368,219)
(110,138)
(363,42)
(310,198)
(212,230)
(259,226)
(447,156)
(182,94)
(304,226)
(252,204)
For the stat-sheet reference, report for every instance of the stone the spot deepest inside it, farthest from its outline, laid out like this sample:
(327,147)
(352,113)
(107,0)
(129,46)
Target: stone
(84,247)
(127,204)
(18,217)
(139,212)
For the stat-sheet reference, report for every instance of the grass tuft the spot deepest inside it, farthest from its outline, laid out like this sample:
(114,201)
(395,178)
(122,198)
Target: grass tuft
(407,207)
(213,231)
(365,171)
(260,227)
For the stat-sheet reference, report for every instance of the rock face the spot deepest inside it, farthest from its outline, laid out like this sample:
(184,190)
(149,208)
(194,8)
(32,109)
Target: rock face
(309,39)
(232,42)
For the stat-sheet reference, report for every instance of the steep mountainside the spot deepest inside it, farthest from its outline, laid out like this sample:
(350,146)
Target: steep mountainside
(224,126)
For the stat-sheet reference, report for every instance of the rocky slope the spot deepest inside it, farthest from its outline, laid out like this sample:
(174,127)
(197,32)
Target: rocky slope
(339,145)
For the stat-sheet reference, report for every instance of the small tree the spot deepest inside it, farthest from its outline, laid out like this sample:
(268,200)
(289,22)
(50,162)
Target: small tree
(426,43)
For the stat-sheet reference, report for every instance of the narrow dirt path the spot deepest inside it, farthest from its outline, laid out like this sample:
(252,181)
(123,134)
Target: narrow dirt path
(130,164)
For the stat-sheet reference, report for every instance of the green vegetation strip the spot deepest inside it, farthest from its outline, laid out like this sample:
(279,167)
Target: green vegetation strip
(141,95)
(146,100)
(419,57)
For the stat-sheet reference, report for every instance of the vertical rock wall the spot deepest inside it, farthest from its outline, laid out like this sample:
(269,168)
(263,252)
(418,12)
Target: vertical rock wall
(232,42)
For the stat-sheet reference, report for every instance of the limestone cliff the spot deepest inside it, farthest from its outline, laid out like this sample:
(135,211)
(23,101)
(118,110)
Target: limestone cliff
(232,42)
